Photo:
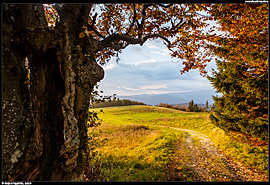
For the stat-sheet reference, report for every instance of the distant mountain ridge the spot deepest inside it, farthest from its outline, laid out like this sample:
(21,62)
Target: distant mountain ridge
(199,97)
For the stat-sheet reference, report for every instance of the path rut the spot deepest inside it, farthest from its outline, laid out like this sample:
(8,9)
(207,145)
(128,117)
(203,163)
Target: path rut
(201,161)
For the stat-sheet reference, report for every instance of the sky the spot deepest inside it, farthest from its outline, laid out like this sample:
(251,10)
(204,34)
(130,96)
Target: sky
(149,69)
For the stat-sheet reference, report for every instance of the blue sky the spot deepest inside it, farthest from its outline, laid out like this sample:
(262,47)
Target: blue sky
(149,69)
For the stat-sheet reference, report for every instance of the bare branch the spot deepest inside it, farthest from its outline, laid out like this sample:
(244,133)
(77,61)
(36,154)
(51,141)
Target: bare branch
(140,26)
(91,27)
(94,20)
(153,36)
(133,21)
(125,46)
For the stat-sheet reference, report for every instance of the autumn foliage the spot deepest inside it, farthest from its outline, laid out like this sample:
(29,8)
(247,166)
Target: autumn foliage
(242,75)
(184,28)
(246,41)
(116,26)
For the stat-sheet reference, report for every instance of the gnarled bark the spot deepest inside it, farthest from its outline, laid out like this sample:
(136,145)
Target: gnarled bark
(48,114)
(16,106)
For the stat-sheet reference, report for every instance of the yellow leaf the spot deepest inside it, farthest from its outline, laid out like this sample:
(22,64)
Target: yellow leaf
(27,82)
(81,35)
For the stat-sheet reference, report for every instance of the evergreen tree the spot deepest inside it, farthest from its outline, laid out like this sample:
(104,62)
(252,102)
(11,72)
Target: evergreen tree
(191,106)
(243,107)
(242,70)
(206,104)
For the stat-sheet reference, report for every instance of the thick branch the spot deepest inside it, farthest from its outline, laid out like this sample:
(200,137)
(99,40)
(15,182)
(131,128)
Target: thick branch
(110,40)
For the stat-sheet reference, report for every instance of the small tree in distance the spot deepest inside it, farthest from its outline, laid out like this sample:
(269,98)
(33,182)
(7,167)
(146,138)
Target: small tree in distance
(196,108)
(190,106)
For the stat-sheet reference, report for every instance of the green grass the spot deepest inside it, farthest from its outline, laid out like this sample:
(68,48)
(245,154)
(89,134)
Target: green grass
(134,152)
(136,149)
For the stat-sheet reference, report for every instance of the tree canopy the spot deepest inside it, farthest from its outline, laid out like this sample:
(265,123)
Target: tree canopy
(247,38)
(242,75)
(116,26)
(186,30)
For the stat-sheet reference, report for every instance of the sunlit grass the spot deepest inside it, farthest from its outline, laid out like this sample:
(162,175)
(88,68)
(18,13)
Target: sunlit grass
(135,152)
(143,135)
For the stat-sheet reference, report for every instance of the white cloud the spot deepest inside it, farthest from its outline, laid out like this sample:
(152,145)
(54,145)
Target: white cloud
(145,92)
(130,89)
(158,86)
(152,60)
(109,67)
(164,52)
(150,45)
(158,52)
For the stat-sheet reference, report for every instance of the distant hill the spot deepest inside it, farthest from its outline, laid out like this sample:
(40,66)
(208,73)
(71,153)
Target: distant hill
(199,97)
(154,99)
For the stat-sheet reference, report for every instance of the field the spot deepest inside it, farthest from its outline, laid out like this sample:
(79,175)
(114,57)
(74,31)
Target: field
(143,143)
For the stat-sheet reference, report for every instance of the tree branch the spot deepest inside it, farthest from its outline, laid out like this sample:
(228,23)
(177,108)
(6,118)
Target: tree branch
(94,20)
(110,40)
(140,26)
(158,36)
(96,32)
(133,21)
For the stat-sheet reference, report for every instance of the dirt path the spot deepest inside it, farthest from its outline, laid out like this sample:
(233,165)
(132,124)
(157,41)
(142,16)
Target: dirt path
(197,159)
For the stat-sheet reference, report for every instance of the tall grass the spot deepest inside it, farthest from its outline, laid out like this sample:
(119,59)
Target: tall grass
(134,152)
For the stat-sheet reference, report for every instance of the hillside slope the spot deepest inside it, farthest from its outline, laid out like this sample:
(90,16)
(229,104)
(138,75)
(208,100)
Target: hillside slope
(199,97)
(159,144)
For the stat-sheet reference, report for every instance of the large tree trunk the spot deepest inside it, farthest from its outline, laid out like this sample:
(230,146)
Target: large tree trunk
(48,118)
(17,118)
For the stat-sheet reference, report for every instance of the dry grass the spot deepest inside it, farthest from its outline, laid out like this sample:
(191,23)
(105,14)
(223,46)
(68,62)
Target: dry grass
(134,152)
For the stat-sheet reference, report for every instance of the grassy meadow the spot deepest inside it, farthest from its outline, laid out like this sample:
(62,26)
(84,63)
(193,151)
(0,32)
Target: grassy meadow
(131,145)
